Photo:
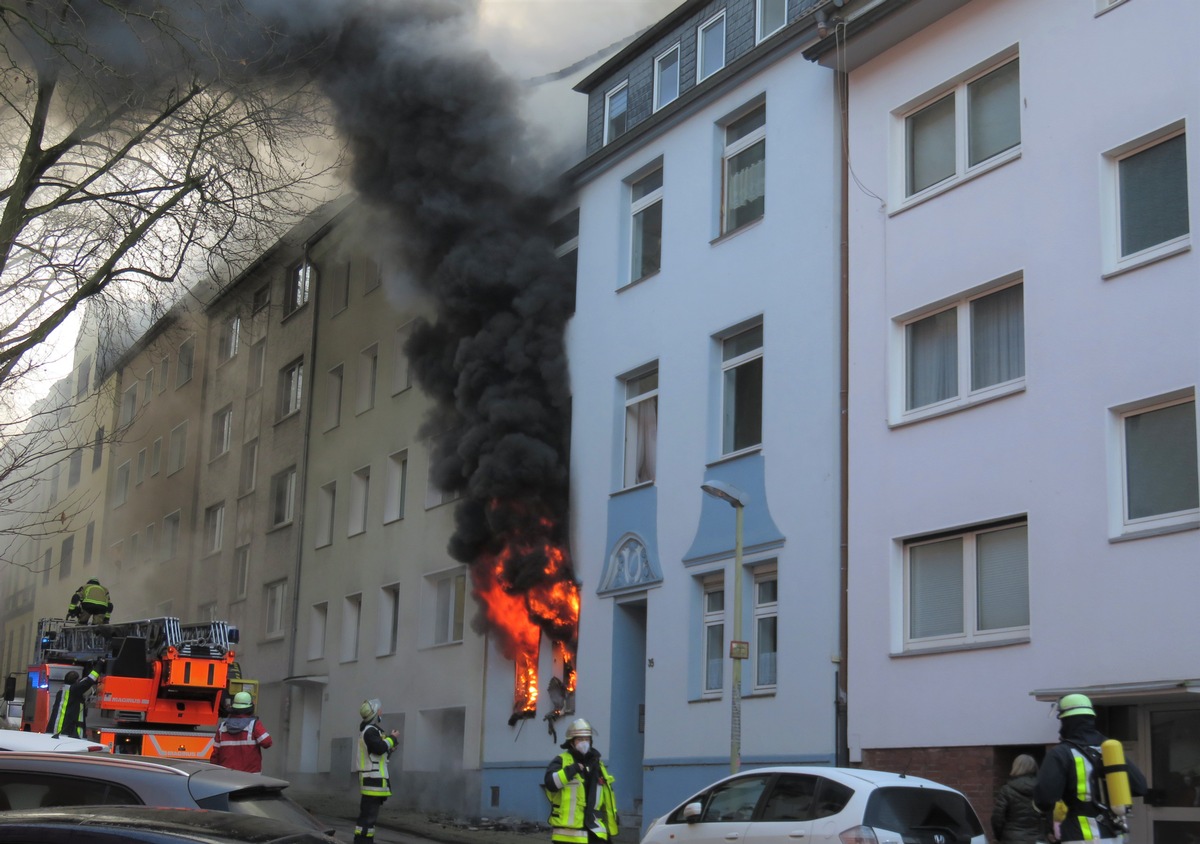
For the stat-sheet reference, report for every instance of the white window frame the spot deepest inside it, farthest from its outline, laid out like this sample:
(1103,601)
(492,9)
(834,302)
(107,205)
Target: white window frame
(333,396)
(155,456)
(318,624)
(1120,525)
(360,497)
(965,396)
(963,170)
(139,476)
(369,270)
(222,432)
(214,529)
(636,390)
(761,34)
(128,405)
(351,624)
(388,620)
(662,95)
(447,604)
(396,489)
(274,609)
(971,635)
(75,467)
(121,485)
(248,469)
(1103,6)
(401,368)
(701,53)
(609,137)
(764,609)
(186,368)
(257,366)
(368,378)
(713,616)
(291,389)
(326,508)
(171,531)
(301,277)
(148,386)
(164,372)
(177,448)
(228,338)
(241,573)
(1114,262)
(638,207)
(727,446)
(730,150)
(283,497)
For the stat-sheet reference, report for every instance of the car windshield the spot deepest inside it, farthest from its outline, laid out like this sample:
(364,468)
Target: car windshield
(263,803)
(912,811)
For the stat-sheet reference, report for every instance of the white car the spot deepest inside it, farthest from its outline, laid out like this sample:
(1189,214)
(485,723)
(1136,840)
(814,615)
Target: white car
(21,741)
(820,806)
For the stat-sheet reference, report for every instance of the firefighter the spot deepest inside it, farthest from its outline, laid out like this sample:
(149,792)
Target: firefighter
(241,737)
(90,603)
(1073,773)
(583,806)
(69,714)
(374,748)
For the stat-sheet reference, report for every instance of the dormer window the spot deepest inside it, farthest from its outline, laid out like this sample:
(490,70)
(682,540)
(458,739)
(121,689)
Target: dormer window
(616,107)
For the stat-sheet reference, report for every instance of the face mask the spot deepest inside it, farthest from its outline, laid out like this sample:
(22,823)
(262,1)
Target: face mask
(583,746)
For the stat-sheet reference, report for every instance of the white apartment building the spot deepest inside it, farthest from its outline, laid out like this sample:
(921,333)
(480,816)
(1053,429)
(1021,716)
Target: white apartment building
(1023,371)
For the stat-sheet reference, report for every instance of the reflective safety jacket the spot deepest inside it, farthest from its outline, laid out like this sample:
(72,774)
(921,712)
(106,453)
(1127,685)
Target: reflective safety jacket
(570,814)
(67,716)
(374,748)
(239,743)
(91,598)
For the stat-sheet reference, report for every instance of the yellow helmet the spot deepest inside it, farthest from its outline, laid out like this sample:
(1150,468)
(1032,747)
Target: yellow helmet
(579,728)
(1075,704)
(242,700)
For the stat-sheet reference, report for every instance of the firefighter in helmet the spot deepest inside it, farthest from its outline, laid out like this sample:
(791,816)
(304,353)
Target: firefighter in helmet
(90,604)
(1073,773)
(371,762)
(241,737)
(583,806)
(69,712)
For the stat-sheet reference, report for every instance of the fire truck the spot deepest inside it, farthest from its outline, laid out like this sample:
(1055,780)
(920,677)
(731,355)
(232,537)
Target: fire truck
(163,684)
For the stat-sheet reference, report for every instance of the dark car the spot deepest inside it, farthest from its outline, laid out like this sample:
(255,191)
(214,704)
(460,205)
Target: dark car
(49,780)
(148,825)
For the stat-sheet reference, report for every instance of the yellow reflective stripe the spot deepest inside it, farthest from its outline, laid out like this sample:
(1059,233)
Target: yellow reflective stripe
(1082,790)
(562,834)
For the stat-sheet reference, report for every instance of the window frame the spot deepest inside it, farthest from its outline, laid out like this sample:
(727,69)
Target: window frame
(631,416)
(639,208)
(701,52)
(275,609)
(447,625)
(171,531)
(291,390)
(335,381)
(387,632)
(318,627)
(1121,525)
(712,617)
(221,440)
(326,510)
(396,486)
(760,33)
(239,587)
(401,366)
(214,529)
(121,484)
(367,382)
(763,610)
(957,88)
(228,338)
(608,136)
(283,484)
(248,477)
(301,278)
(659,90)
(971,635)
(360,501)
(185,369)
(182,429)
(350,640)
(731,150)
(729,365)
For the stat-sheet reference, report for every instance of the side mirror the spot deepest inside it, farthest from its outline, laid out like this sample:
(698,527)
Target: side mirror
(10,688)
(234,636)
(691,812)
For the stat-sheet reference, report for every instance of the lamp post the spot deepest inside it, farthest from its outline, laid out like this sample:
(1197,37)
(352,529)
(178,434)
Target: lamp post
(738,649)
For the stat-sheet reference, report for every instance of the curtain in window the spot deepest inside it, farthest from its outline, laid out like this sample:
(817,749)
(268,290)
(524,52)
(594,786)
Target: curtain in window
(935,573)
(1154,198)
(747,186)
(1160,461)
(1002,575)
(994,113)
(930,144)
(998,337)
(641,441)
(932,356)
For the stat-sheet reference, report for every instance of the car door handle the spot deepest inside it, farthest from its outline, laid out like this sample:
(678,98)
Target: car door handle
(732,836)
(797,833)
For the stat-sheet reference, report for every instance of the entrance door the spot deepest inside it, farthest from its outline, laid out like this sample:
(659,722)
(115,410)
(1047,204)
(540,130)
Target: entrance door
(627,743)
(1174,774)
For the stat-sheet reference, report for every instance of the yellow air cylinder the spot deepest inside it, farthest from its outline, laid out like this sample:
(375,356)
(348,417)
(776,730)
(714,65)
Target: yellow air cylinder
(1117,780)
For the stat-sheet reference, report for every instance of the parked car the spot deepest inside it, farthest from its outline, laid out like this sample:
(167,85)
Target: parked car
(49,780)
(19,740)
(147,825)
(821,806)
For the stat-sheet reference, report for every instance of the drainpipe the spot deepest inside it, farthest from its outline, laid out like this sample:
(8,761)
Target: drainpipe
(841,80)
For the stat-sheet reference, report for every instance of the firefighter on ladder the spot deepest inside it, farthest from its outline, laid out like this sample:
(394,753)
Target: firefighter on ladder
(90,604)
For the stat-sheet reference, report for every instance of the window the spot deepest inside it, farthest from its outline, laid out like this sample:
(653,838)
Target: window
(222,432)
(164,369)
(389,620)
(52,484)
(1146,206)
(262,298)
(772,15)
(274,595)
(155,455)
(710,44)
(565,233)
(766,626)
(75,467)
(360,490)
(187,362)
(228,335)
(283,497)
(291,387)
(207,612)
(666,78)
(98,449)
(744,169)
(742,390)
(641,428)
(987,331)
(214,528)
(151,530)
(128,405)
(134,547)
(299,285)
(714,635)
(646,206)
(66,557)
(333,398)
(83,376)
(397,486)
(249,468)
(318,620)
(177,448)
(401,371)
(121,485)
(337,287)
(368,271)
(368,370)
(241,573)
(967,587)
(449,605)
(1159,483)
(616,104)
(170,536)
(89,543)
(351,616)
(975,123)
(435,496)
(147,386)
(326,501)
(257,365)
(140,474)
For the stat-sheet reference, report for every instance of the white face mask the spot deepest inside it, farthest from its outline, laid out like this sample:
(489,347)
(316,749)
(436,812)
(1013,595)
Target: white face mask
(583,746)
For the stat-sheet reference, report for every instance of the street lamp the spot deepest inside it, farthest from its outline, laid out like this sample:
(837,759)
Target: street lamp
(738,650)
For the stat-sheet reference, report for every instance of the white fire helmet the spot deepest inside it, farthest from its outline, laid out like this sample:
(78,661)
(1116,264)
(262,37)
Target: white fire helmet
(579,728)
(370,709)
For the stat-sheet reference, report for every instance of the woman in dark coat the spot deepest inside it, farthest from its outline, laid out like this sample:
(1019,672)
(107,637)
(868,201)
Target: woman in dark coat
(1014,818)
